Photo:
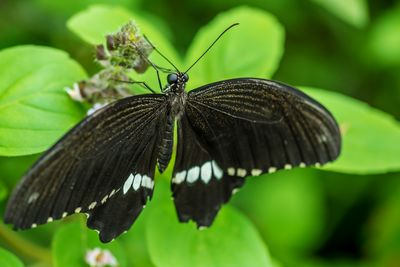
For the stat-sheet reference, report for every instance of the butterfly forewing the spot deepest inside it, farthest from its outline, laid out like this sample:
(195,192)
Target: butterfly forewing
(118,214)
(253,126)
(92,167)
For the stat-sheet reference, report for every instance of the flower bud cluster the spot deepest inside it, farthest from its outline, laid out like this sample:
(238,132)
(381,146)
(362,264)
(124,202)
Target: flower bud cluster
(125,51)
(126,48)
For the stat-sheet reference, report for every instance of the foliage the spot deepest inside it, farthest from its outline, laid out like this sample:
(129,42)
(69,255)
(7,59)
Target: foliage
(342,214)
(7,259)
(208,247)
(71,243)
(354,12)
(371,138)
(34,111)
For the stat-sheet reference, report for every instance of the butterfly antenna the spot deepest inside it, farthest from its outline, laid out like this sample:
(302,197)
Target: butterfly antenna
(158,51)
(156,68)
(205,52)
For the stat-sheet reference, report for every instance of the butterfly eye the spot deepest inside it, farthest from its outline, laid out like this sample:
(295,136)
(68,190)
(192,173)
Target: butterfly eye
(172,78)
(185,77)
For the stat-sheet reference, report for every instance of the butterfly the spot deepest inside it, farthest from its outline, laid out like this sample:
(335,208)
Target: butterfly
(227,130)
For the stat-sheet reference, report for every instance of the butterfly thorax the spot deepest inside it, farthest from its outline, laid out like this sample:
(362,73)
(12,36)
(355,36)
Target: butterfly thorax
(177,96)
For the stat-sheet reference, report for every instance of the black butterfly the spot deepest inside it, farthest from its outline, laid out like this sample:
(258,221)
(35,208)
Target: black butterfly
(227,130)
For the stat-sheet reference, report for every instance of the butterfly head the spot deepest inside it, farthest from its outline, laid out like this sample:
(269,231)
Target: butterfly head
(176,82)
(178,77)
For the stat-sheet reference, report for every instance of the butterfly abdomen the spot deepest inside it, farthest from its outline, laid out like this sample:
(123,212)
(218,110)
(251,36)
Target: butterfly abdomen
(166,145)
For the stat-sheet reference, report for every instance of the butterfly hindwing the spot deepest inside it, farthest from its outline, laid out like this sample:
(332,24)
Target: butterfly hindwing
(199,185)
(85,172)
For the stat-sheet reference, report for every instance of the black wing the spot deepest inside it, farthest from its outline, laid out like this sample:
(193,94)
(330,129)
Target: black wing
(199,184)
(249,127)
(103,167)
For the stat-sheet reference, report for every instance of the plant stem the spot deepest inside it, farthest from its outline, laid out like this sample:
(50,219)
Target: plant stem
(25,247)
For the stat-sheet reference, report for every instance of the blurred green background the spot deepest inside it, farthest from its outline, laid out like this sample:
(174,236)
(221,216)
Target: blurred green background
(305,217)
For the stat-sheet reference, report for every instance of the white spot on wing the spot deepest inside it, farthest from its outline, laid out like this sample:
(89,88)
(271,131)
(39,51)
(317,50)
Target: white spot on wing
(112,193)
(147,182)
(271,169)
(234,191)
(217,170)
(128,183)
(64,215)
(231,171)
(193,174)
(241,172)
(104,199)
(206,172)
(34,225)
(302,165)
(77,210)
(137,181)
(317,164)
(322,139)
(256,172)
(33,197)
(50,219)
(179,177)
(92,205)
(287,166)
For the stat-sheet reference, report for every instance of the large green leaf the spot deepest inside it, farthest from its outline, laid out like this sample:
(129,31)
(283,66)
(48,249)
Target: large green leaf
(9,260)
(135,242)
(354,12)
(253,48)
(34,108)
(384,39)
(287,208)
(231,241)
(66,8)
(12,168)
(371,138)
(383,228)
(93,24)
(3,191)
(73,240)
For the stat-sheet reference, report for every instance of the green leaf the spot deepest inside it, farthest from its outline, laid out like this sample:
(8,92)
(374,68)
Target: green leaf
(93,24)
(12,168)
(135,242)
(9,260)
(3,191)
(371,138)
(384,39)
(354,12)
(231,241)
(66,8)
(253,48)
(383,229)
(73,240)
(287,208)
(34,108)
